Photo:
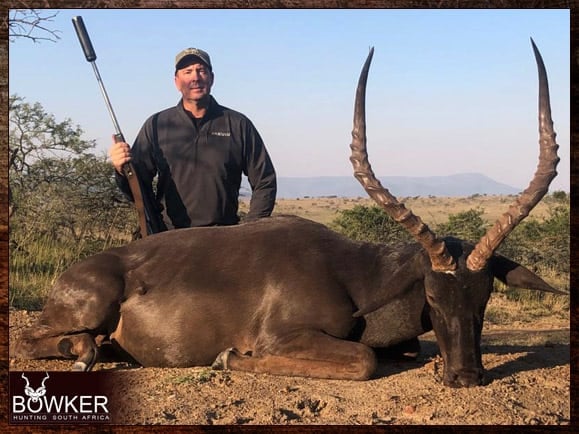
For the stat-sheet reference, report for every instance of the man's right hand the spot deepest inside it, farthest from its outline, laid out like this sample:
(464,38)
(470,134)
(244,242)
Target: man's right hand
(119,153)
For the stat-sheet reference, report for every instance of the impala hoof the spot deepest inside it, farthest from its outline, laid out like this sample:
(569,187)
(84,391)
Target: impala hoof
(79,367)
(222,359)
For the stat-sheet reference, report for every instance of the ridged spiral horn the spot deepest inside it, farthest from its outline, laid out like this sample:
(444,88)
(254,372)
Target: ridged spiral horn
(440,258)
(538,186)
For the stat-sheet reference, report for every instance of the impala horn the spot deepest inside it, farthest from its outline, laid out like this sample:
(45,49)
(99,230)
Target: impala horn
(440,258)
(538,186)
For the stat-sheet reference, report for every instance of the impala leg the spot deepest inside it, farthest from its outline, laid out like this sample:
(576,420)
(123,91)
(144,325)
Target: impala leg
(83,346)
(89,294)
(45,342)
(406,350)
(35,347)
(305,354)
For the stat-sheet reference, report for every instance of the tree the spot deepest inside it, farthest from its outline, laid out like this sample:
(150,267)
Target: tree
(28,24)
(79,200)
(31,24)
(542,243)
(34,135)
(57,187)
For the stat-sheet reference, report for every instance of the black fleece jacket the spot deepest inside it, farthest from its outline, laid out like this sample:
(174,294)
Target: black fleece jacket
(199,164)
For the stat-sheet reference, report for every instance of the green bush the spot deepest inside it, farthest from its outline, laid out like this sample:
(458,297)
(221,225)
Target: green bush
(371,224)
(545,245)
(467,225)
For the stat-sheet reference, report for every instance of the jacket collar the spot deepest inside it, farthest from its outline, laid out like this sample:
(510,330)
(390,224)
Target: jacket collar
(212,111)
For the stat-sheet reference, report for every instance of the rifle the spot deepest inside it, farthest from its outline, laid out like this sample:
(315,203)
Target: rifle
(150,221)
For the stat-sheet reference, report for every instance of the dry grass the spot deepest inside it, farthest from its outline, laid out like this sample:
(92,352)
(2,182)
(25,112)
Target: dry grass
(433,210)
(552,311)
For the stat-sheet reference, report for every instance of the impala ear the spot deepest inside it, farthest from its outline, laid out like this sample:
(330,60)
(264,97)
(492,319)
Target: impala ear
(514,274)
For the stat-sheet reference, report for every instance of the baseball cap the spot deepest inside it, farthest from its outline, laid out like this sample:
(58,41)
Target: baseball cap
(195,52)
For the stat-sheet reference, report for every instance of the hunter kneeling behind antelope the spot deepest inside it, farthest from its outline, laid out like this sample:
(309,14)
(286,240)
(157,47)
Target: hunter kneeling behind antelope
(303,300)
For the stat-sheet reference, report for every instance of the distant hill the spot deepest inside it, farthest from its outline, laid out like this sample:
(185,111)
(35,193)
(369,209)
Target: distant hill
(464,184)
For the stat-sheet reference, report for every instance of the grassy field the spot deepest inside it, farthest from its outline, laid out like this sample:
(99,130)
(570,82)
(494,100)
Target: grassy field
(432,210)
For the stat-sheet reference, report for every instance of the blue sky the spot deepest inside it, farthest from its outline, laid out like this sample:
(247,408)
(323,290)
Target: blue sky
(450,91)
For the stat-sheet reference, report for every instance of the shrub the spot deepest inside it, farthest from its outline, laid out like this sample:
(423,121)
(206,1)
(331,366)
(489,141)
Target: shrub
(560,196)
(467,225)
(544,244)
(364,223)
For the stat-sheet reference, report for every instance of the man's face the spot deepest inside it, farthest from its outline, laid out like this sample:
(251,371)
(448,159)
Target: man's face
(194,81)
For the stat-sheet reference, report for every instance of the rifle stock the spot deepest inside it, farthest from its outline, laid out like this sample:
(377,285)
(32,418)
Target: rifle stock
(150,222)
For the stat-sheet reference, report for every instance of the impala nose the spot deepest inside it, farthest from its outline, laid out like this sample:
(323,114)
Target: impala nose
(464,378)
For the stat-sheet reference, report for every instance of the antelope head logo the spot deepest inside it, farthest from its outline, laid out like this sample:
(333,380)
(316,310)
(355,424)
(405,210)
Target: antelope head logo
(33,394)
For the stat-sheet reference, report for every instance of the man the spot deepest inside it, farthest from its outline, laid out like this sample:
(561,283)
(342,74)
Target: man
(199,150)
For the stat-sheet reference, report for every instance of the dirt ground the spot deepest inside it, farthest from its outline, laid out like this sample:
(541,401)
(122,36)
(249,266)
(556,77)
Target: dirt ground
(528,375)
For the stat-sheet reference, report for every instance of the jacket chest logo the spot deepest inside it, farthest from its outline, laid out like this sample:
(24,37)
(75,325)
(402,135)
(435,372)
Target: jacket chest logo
(220,133)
